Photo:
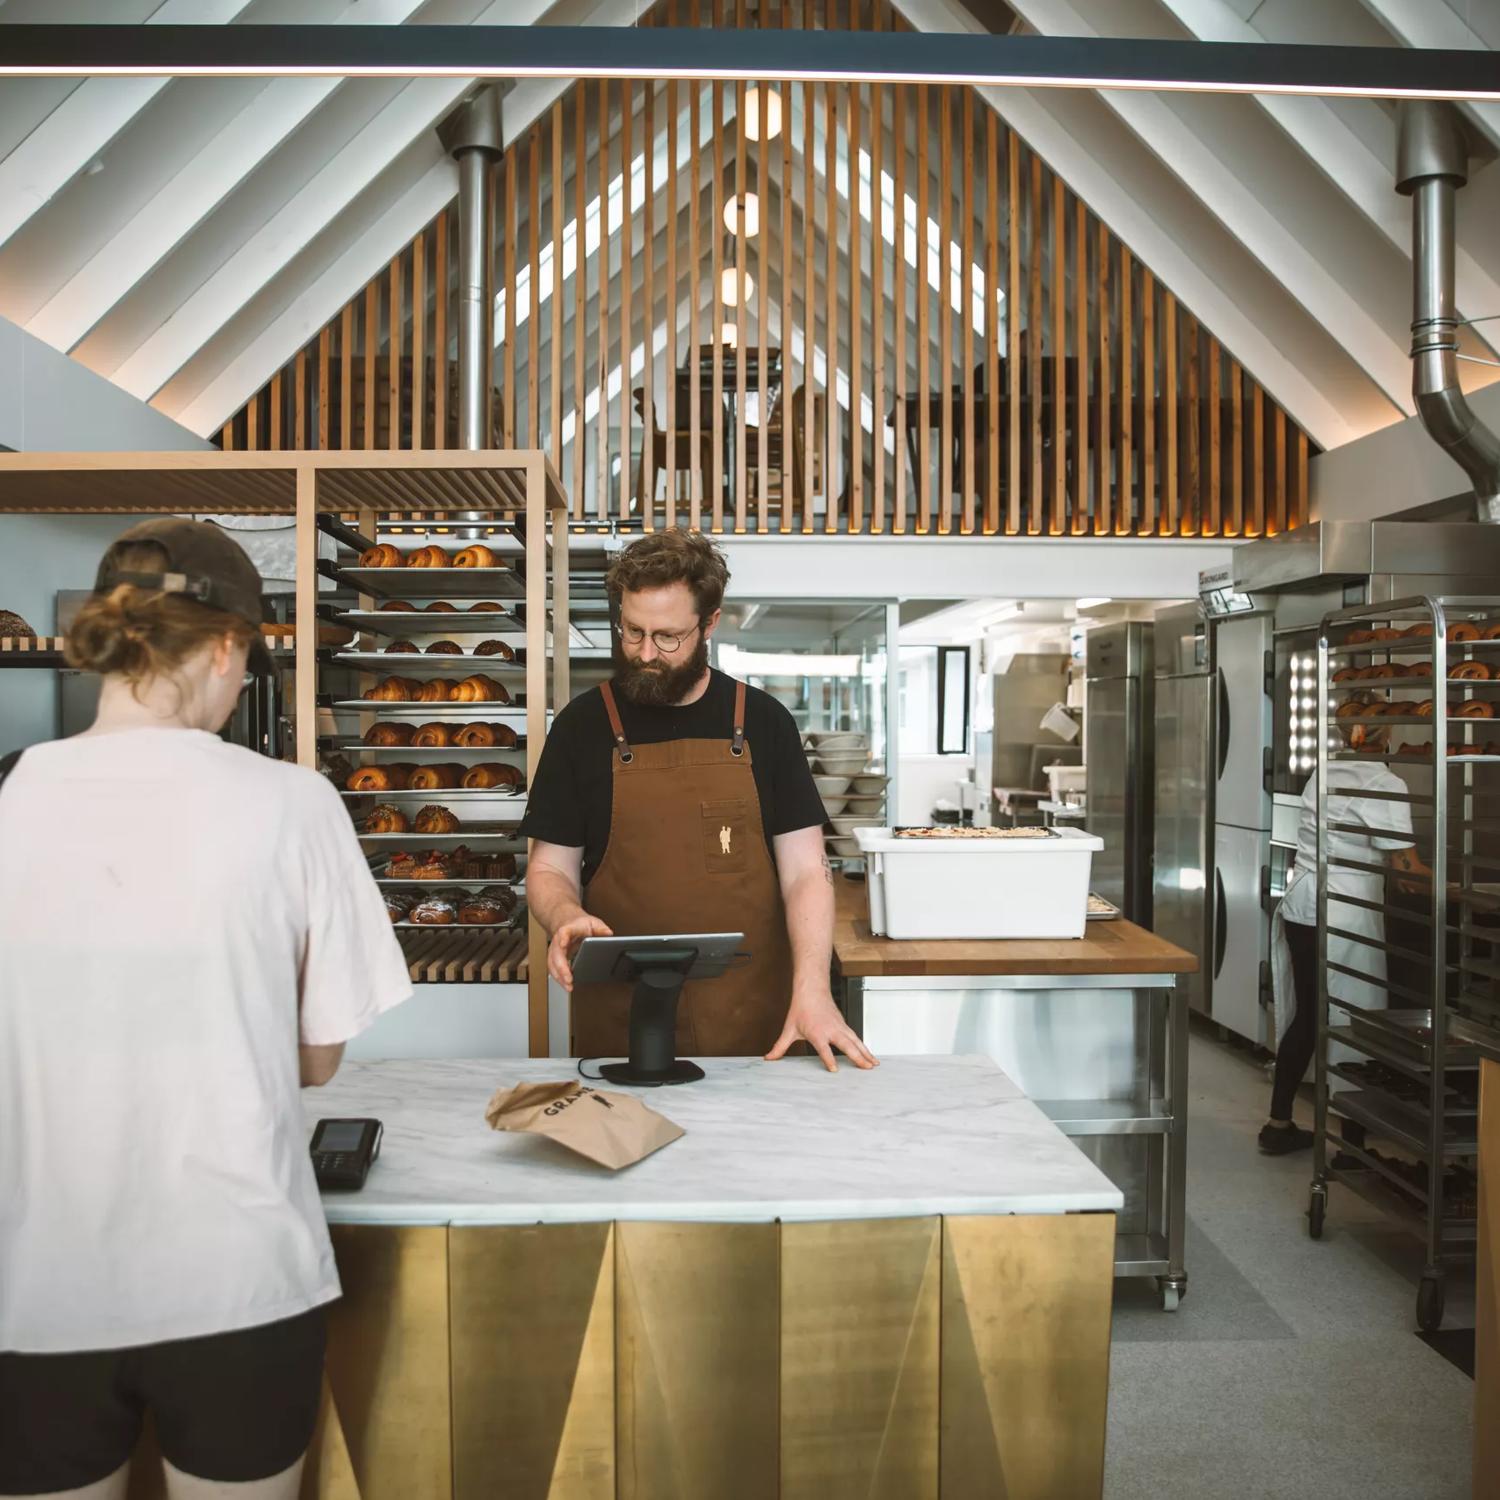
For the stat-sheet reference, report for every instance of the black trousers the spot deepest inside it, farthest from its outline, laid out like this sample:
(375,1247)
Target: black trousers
(1296,1048)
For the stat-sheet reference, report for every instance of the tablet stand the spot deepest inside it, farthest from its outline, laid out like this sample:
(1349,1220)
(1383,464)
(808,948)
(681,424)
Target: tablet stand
(658,974)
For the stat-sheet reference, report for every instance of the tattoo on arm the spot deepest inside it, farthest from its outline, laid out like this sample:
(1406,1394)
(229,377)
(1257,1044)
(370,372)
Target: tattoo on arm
(827,869)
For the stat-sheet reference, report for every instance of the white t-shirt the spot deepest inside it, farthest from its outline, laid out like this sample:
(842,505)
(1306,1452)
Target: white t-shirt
(175,913)
(1388,824)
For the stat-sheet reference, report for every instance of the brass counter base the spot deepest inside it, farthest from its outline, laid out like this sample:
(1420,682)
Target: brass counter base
(889,1359)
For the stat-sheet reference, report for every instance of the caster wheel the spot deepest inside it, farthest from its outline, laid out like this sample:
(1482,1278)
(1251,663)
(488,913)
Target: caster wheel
(1316,1204)
(1430,1296)
(1169,1293)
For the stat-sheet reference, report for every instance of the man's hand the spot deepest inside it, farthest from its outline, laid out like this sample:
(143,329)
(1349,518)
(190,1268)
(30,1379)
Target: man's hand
(565,943)
(815,1019)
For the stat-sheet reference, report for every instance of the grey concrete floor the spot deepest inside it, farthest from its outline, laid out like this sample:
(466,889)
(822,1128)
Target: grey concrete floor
(1292,1368)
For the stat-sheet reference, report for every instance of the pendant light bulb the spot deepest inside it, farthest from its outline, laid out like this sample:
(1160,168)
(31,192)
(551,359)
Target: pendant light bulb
(753,96)
(733,287)
(729,336)
(742,215)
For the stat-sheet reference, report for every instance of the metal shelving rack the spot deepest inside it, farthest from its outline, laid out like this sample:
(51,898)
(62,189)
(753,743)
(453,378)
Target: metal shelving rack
(1415,1086)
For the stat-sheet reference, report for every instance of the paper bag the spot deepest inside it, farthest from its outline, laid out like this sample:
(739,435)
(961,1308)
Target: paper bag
(611,1129)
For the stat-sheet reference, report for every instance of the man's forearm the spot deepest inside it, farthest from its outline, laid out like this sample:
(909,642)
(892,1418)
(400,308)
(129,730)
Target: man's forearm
(809,924)
(553,898)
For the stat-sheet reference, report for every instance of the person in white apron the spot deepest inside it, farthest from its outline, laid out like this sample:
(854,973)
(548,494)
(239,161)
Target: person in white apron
(1387,837)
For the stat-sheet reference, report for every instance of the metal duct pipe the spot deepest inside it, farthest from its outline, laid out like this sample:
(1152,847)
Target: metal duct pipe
(1431,165)
(472,135)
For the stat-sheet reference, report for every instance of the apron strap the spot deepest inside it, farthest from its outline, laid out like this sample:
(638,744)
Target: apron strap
(737,747)
(617,728)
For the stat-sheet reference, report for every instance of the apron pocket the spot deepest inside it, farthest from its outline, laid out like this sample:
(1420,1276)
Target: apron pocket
(726,836)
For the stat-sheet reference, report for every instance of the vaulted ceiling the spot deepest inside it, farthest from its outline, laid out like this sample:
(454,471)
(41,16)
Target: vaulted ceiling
(184,238)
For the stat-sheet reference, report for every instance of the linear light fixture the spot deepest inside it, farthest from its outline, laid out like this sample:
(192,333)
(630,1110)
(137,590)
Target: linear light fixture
(770,56)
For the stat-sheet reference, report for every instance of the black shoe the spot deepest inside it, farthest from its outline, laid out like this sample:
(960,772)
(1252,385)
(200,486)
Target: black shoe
(1279,1140)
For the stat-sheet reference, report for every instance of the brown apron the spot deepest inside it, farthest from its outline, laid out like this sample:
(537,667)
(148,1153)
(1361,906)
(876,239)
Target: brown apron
(687,853)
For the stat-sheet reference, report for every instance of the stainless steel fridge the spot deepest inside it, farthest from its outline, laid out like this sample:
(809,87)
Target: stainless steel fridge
(1244,673)
(1182,854)
(1118,752)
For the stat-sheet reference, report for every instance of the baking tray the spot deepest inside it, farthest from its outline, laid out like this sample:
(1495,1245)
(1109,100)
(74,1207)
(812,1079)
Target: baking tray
(388,663)
(420,622)
(1101,915)
(507,926)
(482,710)
(436,583)
(467,833)
(340,743)
(440,794)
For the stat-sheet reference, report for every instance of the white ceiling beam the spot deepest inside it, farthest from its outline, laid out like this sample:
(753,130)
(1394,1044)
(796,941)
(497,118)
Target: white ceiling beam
(1366,178)
(1434,23)
(83,125)
(1309,273)
(172,213)
(1176,249)
(217,392)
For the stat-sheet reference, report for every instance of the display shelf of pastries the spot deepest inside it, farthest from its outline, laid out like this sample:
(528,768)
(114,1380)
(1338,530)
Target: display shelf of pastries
(415,621)
(435,583)
(493,832)
(425,659)
(1463,635)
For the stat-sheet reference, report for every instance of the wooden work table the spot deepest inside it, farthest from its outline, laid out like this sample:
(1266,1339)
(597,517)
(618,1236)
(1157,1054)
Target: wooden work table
(1113,947)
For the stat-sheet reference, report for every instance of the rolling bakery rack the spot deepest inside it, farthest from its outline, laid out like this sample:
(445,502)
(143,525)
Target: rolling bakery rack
(503,498)
(1414,684)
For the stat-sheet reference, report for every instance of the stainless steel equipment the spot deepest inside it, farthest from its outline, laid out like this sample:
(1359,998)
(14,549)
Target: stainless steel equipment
(1183,698)
(1239,974)
(1119,754)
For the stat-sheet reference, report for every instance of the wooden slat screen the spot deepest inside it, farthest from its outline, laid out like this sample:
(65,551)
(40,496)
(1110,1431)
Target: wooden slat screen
(941,337)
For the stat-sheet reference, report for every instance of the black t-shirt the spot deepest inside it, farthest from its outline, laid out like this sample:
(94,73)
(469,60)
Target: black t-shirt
(572,795)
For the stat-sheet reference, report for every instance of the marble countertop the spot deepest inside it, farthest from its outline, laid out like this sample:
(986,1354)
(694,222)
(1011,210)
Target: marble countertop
(764,1141)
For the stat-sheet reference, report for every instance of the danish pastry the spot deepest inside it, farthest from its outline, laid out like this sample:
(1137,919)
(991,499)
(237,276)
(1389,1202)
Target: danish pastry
(1420,669)
(1462,630)
(440,607)
(501,893)
(492,774)
(436,691)
(383,556)
(1471,708)
(397,906)
(435,819)
(445,648)
(486,606)
(475,557)
(435,778)
(398,606)
(434,911)
(433,735)
(1388,633)
(503,649)
(432,864)
(485,736)
(1417,632)
(1359,637)
(386,819)
(1348,674)
(1423,710)
(428,557)
(371,779)
(1490,633)
(401,648)
(390,734)
(482,910)
(1472,671)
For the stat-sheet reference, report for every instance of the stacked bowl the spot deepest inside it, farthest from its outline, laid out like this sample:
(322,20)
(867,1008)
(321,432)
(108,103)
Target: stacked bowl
(853,795)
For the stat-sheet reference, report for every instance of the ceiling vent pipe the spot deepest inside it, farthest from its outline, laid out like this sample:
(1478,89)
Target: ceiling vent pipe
(472,135)
(1431,165)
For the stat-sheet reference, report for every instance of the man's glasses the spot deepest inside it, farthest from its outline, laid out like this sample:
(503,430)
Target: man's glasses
(665,641)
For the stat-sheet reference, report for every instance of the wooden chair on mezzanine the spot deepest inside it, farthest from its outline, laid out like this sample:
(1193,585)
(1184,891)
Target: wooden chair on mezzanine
(659,443)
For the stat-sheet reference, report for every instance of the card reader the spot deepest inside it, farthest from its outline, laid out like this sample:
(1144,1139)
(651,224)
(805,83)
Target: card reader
(343,1150)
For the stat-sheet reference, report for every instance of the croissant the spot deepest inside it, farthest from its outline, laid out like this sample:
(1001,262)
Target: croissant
(430,735)
(475,557)
(390,734)
(1471,708)
(400,648)
(484,736)
(436,691)
(485,606)
(492,774)
(435,778)
(440,607)
(391,690)
(1475,671)
(435,819)
(392,606)
(371,779)
(1462,630)
(480,689)
(386,819)
(445,648)
(383,556)
(503,649)
(428,557)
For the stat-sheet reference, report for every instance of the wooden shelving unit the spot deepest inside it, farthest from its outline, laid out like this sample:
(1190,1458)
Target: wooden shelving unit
(358,492)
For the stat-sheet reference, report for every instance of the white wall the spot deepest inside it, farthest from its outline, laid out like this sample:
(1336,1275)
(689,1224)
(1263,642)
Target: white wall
(49,402)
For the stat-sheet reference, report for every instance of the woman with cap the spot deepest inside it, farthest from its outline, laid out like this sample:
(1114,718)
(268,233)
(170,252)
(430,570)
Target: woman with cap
(188,932)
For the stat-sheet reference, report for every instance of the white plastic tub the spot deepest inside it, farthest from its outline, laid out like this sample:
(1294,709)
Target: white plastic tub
(978,888)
